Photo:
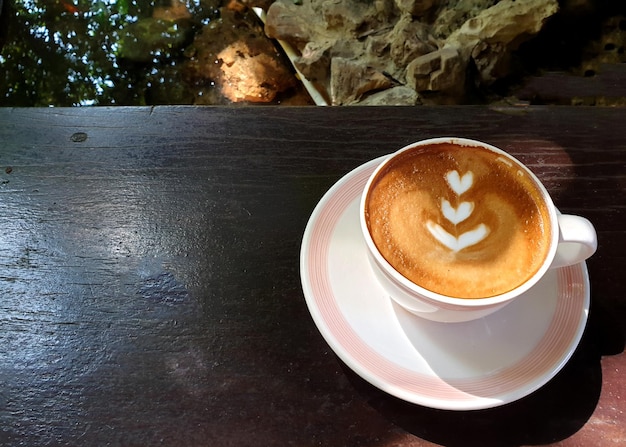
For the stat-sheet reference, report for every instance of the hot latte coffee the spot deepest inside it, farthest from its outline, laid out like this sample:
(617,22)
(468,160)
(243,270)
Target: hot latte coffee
(460,221)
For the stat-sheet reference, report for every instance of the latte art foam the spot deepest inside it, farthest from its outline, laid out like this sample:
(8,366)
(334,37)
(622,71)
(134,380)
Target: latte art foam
(461,221)
(461,239)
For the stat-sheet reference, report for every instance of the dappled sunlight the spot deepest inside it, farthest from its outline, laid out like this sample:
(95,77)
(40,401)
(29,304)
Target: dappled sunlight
(98,52)
(140,52)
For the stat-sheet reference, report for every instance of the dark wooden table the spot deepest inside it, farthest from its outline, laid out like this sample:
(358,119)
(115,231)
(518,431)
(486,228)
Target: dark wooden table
(150,290)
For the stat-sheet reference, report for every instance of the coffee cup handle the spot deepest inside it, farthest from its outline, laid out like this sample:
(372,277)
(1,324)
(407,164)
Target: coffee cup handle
(577,240)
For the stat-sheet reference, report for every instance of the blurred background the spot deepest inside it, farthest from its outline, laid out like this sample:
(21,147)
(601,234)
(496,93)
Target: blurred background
(150,52)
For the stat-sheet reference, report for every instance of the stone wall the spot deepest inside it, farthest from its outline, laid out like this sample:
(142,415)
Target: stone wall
(407,51)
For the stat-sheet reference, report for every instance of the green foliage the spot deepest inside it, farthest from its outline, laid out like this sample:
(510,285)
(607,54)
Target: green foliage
(141,41)
(68,52)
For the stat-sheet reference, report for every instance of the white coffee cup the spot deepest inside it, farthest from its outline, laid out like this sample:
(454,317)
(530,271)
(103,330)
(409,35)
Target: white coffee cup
(570,239)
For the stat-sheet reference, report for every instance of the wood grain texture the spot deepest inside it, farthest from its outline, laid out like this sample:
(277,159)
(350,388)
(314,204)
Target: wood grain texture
(150,290)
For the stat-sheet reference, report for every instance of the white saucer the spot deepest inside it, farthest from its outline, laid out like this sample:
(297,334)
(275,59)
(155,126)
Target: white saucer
(456,366)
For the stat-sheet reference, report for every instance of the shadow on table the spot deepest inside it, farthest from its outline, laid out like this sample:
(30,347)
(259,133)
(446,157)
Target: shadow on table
(553,413)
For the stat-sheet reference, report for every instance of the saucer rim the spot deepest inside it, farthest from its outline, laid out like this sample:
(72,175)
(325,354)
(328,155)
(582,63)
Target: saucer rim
(467,403)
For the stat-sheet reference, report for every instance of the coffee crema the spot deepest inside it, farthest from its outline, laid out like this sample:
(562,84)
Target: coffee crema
(460,221)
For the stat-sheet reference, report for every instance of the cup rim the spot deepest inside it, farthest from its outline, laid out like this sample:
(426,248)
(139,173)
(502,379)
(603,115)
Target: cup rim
(438,297)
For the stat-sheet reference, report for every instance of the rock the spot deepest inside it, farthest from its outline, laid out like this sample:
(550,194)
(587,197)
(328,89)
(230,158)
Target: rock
(419,70)
(234,59)
(347,45)
(455,13)
(314,63)
(284,21)
(492,61)
(378,47)
(608,49)
(440,71)
(325,29)
(409,39)
(489,38)
(251,75)
(451,77)
(351,79)
(417,8)
(395,96)
(506,22)
(345,15)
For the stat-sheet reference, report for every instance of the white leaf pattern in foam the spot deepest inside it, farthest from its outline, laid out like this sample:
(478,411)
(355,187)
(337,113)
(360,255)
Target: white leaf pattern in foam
(459,214)
(460,184)
(465,240)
